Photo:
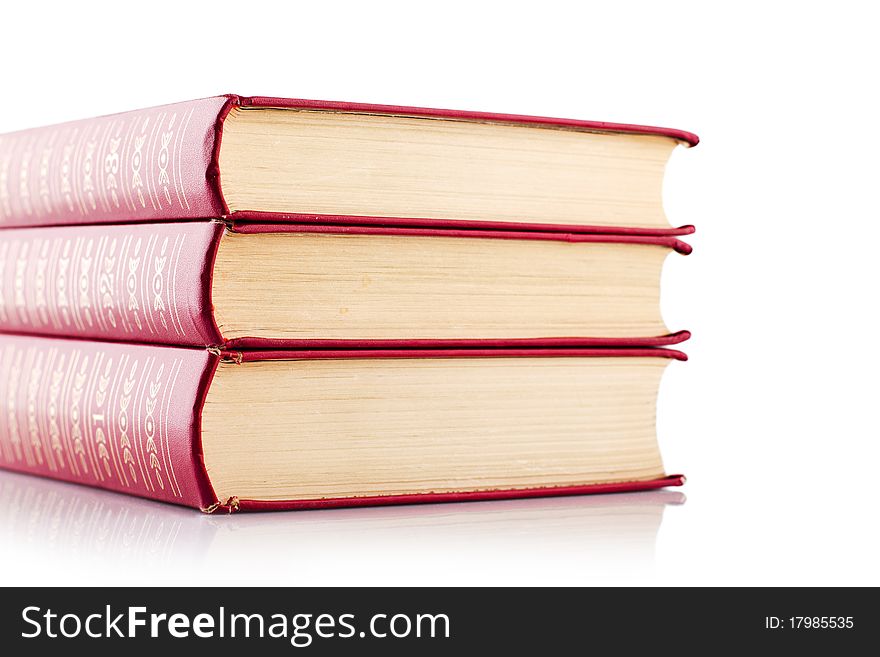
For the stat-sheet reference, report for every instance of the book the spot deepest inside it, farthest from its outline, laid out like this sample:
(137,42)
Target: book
(301,161)
(239,430)
(246,285)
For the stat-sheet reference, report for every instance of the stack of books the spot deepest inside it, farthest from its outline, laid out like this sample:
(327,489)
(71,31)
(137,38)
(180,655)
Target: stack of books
(265,303)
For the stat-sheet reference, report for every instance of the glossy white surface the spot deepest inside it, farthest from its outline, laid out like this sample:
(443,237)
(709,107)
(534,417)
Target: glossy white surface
(774,418)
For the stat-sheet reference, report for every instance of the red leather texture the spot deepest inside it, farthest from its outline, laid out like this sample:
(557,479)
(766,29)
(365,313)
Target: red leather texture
(162,164)
(525,343)
(325,354)
(246,216)
(145,165)
(120,417)
(652,240)
(138,282)
(231,506)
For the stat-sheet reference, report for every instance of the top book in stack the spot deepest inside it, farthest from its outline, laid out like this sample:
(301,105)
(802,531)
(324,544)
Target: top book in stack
(299,161)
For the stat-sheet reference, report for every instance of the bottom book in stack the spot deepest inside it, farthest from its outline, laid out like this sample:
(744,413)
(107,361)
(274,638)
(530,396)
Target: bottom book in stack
(306,429)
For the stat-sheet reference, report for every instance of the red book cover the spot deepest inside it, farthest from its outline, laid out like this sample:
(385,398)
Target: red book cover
(152,283)
(127,418)
(162,163)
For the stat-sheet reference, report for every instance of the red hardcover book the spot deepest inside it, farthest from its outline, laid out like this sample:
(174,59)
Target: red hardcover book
(310,286)
(314,429)
(301,161)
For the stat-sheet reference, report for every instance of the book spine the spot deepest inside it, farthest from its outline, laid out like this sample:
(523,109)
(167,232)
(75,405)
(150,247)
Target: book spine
(147,165)
(119,417)
(133,283)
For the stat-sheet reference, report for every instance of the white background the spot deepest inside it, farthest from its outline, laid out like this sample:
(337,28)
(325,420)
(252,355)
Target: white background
(775,417)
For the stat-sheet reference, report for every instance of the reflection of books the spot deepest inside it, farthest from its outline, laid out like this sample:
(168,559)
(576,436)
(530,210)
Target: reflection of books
(90,536)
